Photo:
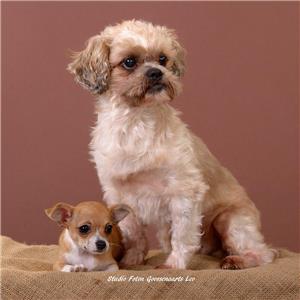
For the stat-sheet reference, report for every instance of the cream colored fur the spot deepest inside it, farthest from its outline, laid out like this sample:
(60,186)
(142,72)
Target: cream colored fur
(146,156)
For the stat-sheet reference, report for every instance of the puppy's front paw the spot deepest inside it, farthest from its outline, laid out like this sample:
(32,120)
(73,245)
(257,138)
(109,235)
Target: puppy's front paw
(74,268)
(112,268)
(132,257)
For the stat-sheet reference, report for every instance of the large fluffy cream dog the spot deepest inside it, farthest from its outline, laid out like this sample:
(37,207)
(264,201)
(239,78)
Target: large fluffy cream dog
(147,157)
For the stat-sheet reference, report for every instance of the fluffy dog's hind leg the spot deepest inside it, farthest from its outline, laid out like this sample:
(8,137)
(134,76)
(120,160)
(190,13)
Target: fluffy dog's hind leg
(239,230)
(164,236)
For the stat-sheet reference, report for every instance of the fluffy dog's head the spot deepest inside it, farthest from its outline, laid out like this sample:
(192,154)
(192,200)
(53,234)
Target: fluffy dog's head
(134,61)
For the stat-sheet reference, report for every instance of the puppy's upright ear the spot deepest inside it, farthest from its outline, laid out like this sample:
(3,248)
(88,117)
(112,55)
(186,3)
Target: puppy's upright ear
(91,66)
(119,212)
(61,213)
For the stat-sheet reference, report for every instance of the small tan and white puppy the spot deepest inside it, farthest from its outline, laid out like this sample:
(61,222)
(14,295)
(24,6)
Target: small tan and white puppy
(146,156)
(91,239)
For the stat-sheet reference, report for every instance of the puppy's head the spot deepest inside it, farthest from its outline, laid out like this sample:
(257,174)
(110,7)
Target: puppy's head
(134,61)
(91,225)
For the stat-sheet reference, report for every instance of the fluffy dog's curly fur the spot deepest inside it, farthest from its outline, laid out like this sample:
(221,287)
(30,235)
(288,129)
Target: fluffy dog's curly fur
(146,157)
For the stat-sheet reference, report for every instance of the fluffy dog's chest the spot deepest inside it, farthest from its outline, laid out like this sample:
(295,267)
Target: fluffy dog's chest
(124,144)
(143,159)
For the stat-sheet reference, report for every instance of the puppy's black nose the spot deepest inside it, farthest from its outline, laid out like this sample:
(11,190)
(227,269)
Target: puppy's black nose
(154,74)
(100,245)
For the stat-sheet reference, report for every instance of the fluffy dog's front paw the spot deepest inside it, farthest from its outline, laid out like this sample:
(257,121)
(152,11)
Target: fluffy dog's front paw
(163,266)
(132,257)
(74,268)
(175,261)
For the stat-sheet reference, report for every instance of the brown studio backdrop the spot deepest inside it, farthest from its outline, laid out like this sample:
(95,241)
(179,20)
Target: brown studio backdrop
(240,95)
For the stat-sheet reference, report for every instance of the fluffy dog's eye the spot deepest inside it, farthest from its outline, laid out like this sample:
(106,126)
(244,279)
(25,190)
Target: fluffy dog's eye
(163,60)
(84,229)
(129,63)
(108,228)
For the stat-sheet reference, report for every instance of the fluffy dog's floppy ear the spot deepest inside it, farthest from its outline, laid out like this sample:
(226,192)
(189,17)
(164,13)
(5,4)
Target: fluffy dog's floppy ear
(61,213)
(91,66)
(179,63)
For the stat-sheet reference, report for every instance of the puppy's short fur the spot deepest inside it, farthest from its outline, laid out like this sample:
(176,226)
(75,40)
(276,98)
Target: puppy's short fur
(146,156)
(91,239)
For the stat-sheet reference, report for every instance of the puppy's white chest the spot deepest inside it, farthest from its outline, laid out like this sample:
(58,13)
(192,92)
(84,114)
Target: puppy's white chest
(76,257)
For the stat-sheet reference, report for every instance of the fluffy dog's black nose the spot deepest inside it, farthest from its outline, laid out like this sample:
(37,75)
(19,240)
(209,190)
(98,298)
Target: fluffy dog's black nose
(100,245)
(154,74)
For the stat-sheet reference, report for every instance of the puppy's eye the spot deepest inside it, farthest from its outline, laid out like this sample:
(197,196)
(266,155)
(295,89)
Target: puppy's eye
(129,63)
(84,229)
(163,60)
(108,228)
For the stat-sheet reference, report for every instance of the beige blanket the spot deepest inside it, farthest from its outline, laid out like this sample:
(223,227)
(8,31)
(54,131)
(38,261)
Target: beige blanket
(26,273)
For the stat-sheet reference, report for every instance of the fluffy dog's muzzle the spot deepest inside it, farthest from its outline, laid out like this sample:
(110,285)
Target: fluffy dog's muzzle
(154,77)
